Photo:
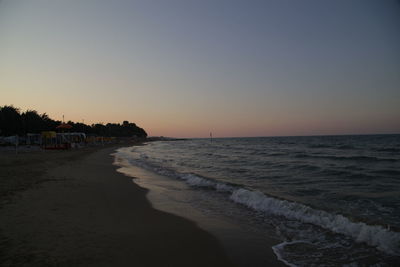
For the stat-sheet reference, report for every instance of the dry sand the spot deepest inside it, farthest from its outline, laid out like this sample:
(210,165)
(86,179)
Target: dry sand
(71,208)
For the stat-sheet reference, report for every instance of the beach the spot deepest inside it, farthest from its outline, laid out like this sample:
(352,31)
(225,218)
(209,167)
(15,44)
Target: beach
(72,208)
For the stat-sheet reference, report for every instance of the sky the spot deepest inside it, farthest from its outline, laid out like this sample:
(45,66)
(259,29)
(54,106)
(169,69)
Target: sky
(187,68)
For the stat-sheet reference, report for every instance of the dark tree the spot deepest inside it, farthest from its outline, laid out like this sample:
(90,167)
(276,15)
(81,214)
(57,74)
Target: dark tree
(32,122)
(49,124)
(10,121)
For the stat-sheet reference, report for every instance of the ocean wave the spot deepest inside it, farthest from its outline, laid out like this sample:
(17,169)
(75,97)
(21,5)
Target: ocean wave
(319,146)
(356,158)
(345,147)
(195,180)
(276,154)
(191,179)
(373,235)
(337,146)
(388,149)
(386,172)
(305,167)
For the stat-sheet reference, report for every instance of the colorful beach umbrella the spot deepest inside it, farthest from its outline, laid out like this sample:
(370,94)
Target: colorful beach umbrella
(64,126)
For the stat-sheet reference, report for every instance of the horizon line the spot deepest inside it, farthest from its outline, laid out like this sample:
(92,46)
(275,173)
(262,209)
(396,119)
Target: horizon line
(270,136)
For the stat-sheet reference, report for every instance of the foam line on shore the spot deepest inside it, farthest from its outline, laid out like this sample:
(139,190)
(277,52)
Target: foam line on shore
(278,250)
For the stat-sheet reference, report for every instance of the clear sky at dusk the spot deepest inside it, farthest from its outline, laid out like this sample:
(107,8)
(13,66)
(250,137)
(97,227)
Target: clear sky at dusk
(185,68)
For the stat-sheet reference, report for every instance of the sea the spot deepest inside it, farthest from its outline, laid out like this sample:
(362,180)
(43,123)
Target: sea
(309,200)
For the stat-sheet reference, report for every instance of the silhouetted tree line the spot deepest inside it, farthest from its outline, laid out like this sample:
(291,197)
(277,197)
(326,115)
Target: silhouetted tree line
(13,121)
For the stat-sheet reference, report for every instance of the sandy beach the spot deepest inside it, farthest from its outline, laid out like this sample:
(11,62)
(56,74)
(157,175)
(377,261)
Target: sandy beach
(71,208)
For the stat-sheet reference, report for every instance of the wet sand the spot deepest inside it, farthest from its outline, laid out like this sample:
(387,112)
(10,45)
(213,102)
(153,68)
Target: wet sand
(71,208)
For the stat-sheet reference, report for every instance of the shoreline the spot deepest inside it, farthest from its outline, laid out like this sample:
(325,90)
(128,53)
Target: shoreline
(291,198)
(245,243)
(69,208)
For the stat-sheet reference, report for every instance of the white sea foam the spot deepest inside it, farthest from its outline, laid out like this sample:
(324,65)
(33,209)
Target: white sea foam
(195,180)
(278,250)
(221,187)
(372,235)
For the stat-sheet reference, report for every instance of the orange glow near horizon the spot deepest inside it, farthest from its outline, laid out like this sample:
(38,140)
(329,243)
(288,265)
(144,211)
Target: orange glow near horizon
(183,127)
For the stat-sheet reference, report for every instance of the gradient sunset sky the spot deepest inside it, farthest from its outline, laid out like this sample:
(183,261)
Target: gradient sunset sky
(185,68)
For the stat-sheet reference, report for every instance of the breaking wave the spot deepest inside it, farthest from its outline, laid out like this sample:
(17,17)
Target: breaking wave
(373,235)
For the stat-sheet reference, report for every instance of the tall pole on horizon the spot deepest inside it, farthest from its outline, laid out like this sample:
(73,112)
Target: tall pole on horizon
(211,137)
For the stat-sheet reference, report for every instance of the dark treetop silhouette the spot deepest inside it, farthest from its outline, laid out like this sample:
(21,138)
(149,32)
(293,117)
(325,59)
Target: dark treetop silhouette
(13,121)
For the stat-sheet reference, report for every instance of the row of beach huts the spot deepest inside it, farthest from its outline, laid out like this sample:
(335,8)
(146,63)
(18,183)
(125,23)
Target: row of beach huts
(54,140)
